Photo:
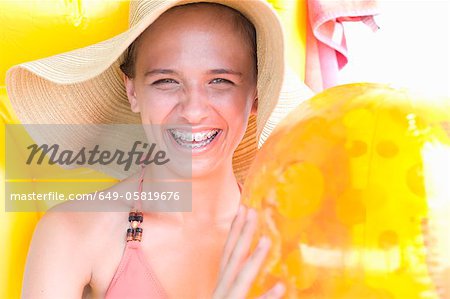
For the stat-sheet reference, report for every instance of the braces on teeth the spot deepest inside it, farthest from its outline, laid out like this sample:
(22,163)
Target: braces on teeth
(202,139)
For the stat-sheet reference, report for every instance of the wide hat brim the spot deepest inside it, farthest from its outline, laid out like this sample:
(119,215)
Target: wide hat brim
(85,86)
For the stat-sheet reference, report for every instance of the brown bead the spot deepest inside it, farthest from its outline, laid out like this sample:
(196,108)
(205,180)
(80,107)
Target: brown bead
(138,234)
(130,233)
(131,216)
(139,216)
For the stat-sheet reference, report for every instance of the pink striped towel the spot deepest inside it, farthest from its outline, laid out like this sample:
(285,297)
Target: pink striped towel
(326,49)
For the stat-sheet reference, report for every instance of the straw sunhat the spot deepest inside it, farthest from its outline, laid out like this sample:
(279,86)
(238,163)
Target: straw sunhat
(85,86)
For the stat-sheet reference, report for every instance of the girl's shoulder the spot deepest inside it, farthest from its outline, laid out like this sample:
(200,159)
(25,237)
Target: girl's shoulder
(91,220)
(73,235)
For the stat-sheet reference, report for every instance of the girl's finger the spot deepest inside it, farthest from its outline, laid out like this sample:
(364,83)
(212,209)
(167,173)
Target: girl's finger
(233,235)
(274,293)
(247,275)
(239,253)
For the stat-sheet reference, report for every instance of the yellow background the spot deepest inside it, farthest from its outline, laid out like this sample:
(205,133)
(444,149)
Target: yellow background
(33,29)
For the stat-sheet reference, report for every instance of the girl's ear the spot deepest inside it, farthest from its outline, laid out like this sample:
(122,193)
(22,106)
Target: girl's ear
(131,94)
(254,110)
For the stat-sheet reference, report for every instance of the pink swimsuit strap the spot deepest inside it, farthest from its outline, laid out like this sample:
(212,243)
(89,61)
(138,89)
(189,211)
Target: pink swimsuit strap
(141,184)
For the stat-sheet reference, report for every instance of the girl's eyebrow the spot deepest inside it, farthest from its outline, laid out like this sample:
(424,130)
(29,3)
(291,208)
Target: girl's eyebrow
(173,72)
(224,71)
(160,71)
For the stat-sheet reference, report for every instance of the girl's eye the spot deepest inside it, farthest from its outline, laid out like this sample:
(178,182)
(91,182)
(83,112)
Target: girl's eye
(165,81)
(221,80)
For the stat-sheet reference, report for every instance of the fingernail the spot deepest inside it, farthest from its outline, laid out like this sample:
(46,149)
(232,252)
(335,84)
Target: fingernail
(279,288)
(263,241)
(241,210)
(251,213)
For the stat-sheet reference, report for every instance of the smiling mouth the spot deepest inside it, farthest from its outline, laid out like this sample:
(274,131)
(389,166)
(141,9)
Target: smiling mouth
(196,140)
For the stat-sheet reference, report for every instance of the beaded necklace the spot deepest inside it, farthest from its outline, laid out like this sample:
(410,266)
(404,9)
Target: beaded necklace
(136,217)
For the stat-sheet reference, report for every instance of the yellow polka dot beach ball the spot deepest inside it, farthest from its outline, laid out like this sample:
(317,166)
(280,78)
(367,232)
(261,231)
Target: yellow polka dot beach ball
(353,188)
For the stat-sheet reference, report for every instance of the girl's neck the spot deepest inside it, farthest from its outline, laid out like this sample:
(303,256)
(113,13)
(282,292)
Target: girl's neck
(215,198)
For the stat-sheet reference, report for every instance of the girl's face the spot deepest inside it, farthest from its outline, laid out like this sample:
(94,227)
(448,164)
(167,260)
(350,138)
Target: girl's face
(195,79)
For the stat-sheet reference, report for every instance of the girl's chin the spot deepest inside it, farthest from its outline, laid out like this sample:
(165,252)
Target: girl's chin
(200,169)
(193,169)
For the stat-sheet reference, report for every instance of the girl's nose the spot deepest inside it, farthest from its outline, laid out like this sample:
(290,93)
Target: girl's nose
(195,107)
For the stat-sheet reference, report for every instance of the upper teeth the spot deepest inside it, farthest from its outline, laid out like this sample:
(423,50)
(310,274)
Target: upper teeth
(189,136)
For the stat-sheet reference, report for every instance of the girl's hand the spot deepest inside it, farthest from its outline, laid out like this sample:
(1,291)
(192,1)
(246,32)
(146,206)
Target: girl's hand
(238,270)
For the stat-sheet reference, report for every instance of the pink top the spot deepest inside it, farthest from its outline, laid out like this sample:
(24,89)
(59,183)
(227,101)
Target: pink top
(134,277)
